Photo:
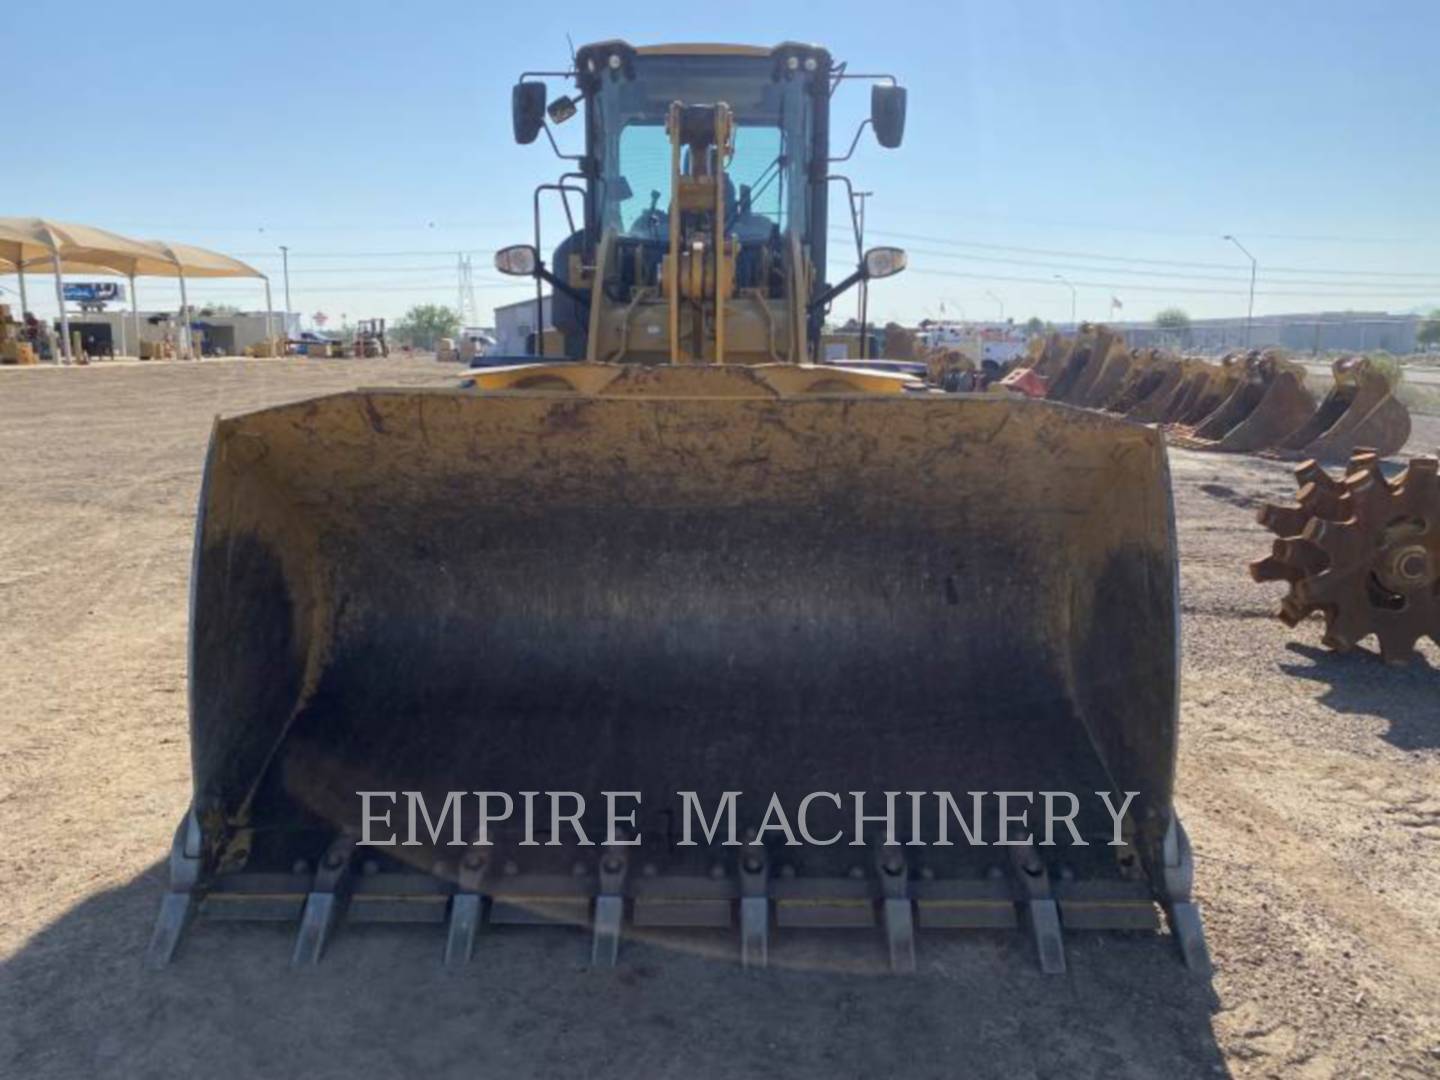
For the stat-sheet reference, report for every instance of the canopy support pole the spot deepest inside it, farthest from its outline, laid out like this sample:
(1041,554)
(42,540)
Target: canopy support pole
(188,353)
(135,314)
(269,321)
(64,315)
(24,304)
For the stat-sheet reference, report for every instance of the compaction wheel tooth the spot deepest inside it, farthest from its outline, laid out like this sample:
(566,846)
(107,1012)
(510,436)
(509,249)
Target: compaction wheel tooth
(1282,520)
(1272,569)
(1363,459)
(1312,472)
(1293,613)
(1304,556)
(1397,646)
(1329,503)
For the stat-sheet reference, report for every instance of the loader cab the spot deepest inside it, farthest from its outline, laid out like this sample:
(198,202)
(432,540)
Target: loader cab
(765,272)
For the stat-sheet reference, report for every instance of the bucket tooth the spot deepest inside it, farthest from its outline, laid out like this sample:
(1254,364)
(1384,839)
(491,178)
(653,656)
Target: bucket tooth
(1041,912)
(609,908)
(1183,914)
(322,906)
(754,908)
(467,909)
(897,907)
(177,909)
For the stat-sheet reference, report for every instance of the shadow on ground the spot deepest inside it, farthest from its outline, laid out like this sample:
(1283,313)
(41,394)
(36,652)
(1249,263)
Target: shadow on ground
(76,1000)
(1359,682)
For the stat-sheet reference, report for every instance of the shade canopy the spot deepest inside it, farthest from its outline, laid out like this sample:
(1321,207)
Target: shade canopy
(25,241)
(39,244)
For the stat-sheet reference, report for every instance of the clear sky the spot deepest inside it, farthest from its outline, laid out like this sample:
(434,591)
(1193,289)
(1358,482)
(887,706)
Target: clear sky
(1110,142)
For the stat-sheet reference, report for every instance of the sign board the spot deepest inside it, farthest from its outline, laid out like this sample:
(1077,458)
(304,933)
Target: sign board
(94,292)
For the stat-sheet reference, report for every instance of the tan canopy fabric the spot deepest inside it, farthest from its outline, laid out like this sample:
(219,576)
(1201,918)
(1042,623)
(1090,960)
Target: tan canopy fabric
(24,240)
(59,247)
(201,262)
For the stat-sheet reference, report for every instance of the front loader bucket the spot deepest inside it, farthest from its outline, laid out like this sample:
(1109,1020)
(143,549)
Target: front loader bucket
(1360,410)
(700,580)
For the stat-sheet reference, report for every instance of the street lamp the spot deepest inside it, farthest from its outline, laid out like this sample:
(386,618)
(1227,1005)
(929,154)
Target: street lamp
(1250,311)
(997,300)
(1062,277)
(285,259)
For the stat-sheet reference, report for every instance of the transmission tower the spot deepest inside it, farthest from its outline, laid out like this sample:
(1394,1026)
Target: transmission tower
(466,306)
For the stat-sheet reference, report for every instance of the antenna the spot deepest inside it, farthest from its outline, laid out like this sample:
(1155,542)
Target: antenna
(570,42)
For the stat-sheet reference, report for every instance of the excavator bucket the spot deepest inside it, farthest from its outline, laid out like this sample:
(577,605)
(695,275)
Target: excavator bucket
(1083,366)
(1147,399)
(1208,390)
(1269,402)
(1111,377)
(583,579)
(1361,410)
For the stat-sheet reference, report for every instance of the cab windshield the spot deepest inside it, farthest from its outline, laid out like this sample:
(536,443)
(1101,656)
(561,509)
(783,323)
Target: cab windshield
(765,188)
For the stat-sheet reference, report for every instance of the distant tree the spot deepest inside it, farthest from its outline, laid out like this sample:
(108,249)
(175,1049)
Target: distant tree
(1034,326)
(899,342)
(219,309)
(425,324)
(1173,318)
(1428,333)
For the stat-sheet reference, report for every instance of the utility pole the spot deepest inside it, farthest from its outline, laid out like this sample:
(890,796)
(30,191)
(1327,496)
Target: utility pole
(285,260)
(863,297)
(1061,277)
(997,300)
(1250,311)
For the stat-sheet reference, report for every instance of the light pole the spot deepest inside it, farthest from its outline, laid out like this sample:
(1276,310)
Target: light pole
(997,300)
(1063,278)
(1249,311)
(864,291)
(285,260)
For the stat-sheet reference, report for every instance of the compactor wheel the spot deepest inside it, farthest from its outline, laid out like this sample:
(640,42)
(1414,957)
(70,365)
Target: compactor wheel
(1362,551)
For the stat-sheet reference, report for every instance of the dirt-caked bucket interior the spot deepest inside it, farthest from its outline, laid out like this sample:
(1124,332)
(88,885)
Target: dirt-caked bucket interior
(447,591)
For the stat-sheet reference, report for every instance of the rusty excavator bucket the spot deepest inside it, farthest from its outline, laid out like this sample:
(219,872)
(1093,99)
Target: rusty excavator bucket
(583,578)
(1081,365)
(1146,399)
(1111,377)
(1269,401)
(1361,410)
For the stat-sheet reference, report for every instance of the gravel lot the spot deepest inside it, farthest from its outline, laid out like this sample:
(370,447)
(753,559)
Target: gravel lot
(1310,785)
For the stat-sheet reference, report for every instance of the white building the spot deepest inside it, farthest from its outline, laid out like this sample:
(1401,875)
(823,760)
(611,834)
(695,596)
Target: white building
(112,333)
(514,326)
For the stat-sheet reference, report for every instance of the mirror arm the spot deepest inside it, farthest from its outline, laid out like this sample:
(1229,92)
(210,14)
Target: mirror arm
(831,293)
(853,142)
(560,286)
(545,127)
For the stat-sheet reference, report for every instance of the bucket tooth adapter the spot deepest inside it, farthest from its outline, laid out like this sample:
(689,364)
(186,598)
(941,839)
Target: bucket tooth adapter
(677,563)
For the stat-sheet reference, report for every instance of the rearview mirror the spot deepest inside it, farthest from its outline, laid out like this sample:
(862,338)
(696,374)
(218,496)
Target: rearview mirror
(527,110)
(887,114)
(518,260)
(560,110)
(883,262)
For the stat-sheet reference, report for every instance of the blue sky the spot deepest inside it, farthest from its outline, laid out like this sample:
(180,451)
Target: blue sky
(1111,142)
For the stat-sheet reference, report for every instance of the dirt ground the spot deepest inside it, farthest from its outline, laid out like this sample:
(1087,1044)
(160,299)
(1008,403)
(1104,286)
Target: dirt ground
(1310,785)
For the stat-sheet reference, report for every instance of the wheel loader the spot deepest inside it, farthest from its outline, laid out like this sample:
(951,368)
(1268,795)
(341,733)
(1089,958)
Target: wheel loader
(675,563)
